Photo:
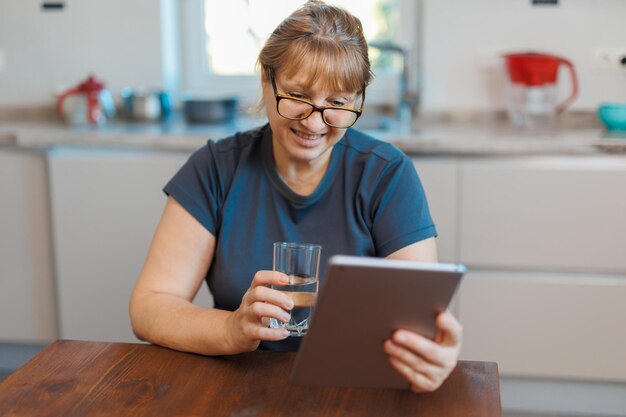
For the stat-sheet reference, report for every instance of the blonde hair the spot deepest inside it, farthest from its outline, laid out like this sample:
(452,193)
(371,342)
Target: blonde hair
(326,41)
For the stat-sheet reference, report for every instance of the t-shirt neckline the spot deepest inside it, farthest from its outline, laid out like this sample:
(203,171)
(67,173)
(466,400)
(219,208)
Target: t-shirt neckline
(270,168)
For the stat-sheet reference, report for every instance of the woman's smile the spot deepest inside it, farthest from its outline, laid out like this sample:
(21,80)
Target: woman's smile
(306,139)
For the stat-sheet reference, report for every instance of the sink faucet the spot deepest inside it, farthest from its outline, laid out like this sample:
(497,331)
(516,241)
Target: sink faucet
(408,100)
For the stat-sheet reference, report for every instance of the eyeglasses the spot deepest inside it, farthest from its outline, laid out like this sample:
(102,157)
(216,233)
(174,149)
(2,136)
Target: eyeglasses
(294,108)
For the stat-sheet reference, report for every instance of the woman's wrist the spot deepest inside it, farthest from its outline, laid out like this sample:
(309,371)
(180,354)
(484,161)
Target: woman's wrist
(234,338)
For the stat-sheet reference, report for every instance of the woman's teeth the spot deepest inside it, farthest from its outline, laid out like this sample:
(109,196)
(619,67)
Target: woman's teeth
(307,136)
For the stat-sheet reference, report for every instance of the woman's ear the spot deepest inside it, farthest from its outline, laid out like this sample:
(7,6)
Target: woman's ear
(264,78)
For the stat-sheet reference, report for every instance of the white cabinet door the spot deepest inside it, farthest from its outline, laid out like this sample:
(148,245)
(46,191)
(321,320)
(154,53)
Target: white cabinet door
(27,293)
(544,213)
(553,325)
(440,179)
(105,207)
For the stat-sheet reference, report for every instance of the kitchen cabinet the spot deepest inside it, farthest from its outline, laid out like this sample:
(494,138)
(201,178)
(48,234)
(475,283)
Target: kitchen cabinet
(105,206)
(27,290)
(546,324)
(544,213)
(439,177)
(544,241)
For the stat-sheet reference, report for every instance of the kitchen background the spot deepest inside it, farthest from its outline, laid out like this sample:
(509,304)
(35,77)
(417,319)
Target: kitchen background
(544,297)
(131,43)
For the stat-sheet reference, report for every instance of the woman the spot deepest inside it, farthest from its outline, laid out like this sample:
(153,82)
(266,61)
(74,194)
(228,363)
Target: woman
(304,177)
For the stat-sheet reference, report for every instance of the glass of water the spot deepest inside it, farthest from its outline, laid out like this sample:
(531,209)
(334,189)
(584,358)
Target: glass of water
(300,262)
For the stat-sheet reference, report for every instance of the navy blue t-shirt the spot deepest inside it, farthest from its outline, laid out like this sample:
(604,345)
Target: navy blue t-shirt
(370,202)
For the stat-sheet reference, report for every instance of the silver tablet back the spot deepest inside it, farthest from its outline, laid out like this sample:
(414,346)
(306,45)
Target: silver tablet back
(363,300)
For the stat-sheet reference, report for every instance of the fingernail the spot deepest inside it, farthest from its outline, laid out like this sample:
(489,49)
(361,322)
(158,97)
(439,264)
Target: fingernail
(400,337)
(284,279)
(289,304)
(285,317)
(284,333)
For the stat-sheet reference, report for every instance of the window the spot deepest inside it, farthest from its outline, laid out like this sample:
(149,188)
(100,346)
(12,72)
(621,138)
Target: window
(221,40)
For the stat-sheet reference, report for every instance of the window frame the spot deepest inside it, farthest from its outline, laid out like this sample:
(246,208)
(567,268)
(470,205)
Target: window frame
(196,78)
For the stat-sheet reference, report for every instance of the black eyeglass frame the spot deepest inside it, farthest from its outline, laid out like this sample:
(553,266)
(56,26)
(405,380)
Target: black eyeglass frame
(314,107)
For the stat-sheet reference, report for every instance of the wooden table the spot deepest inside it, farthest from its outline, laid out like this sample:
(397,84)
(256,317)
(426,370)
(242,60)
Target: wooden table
(74,378)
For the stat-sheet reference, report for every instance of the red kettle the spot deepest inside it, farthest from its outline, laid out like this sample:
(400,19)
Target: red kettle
(91,90)
(533,98)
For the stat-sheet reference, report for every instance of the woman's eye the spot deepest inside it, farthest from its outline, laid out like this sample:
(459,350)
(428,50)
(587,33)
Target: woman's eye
(338,103)
(297,95)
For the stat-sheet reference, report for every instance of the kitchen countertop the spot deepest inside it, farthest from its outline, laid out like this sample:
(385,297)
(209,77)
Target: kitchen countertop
(427,138)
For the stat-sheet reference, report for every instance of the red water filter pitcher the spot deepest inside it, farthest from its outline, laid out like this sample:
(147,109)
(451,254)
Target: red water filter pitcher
(532,95)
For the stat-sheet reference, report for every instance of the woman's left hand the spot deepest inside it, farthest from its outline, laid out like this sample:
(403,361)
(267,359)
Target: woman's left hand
(425,363)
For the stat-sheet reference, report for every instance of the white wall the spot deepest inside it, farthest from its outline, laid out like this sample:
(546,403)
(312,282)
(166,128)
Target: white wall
(459,72)
(117,40)
(120,41)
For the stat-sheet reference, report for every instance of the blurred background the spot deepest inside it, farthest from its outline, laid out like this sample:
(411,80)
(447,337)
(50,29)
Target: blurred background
(455,46)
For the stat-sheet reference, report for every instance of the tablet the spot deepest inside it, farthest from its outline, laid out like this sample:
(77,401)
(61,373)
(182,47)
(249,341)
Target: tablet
(363,300)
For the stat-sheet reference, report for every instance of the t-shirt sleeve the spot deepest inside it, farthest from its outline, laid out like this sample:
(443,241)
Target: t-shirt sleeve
(400,215)
(196,186)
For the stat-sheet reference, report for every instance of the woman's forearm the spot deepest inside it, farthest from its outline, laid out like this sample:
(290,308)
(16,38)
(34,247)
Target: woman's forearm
(170,321)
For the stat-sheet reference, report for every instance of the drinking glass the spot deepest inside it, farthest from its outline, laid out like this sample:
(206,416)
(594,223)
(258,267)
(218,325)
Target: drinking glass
(300,262)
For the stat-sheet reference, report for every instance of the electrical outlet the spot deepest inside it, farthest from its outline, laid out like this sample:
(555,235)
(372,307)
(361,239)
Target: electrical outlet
(610,58)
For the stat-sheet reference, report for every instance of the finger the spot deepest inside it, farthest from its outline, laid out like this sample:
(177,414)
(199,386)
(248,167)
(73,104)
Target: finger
(421,346)
(269,278)
(267,334)
(450,331)
(261,310)
(271,296)
(419,383)
(413,361)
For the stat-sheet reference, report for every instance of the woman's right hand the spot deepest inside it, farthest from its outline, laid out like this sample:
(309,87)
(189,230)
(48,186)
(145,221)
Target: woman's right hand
(248,325)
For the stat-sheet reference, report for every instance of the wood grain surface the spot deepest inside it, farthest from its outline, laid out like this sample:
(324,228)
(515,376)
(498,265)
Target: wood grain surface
(77,378)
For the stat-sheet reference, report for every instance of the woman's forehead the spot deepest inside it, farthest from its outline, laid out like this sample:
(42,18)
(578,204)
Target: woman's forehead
(309,80)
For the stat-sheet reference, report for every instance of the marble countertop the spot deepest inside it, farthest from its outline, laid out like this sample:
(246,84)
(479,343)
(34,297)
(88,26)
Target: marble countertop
(425,138)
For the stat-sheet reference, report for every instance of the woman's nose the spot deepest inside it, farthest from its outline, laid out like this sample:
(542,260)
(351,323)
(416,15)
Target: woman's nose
(314,123)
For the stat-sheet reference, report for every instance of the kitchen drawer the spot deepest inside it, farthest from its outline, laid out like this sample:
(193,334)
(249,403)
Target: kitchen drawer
(440,180)
(544,213)
(546,325)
